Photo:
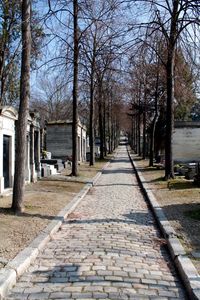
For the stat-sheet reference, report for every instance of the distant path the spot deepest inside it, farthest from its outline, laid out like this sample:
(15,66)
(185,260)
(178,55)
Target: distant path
(109,248)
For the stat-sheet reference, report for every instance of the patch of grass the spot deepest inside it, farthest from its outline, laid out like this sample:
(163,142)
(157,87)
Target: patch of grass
(151,168)
(32,207)
(193,214)
(104,160)
(180,184)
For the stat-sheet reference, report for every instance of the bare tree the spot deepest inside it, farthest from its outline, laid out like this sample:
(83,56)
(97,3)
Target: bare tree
(178,22)
(19,181)
(10,43)
(51,98)
(100,48)
(9,46)
(182,14)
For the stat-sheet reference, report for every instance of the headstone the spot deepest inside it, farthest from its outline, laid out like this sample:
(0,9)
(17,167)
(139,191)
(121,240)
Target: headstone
(48,155)
(191,171)
(45,170)
(57,163)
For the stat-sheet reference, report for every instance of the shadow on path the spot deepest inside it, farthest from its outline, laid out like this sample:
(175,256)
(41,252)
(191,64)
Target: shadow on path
(138,218)
(120,171)
(8,211)
(117,184)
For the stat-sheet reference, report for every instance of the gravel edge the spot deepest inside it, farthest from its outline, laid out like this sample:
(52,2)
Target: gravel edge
(16,267)
(186,269)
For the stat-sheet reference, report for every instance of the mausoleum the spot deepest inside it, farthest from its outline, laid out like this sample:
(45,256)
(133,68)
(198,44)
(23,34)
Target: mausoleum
(8,119)
(59,140)
(8,116)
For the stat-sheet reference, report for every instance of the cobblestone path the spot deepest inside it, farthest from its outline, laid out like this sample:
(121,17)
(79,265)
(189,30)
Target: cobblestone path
(109,248)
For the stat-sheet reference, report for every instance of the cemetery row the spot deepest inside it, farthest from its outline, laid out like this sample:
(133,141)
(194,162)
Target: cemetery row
(50,149)
(56,138)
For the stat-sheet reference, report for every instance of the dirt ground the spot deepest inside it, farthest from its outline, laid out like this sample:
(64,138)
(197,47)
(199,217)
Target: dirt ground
(43,201)
(177,198)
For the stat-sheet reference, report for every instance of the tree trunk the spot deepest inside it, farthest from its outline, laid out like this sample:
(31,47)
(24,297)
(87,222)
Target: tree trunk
(4,39)
(109,129)
(138,135)
(114,132)
(91,129)
(117,133)
(75,93)
(101,130)
(3,81)
(132,138)
(135,133)
(152,135)
(169,171)
(111,123)
(169,164)
(152,140)
(20,159)
(104,128)
(144,134)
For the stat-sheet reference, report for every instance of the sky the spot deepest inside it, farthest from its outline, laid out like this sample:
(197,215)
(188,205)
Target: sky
(57,31)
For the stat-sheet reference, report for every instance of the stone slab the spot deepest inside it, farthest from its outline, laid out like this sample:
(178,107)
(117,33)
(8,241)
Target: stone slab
(53,226)
(189,276)
(23,260)
(7,281)
(175,247)
(40,241)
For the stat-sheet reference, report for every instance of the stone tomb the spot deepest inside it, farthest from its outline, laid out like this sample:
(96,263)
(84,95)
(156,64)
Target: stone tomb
(59,140)
(33,167)
(8,119)
(8,116)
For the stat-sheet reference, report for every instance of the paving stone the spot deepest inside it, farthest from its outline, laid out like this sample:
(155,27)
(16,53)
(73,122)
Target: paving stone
(111,289)
(97,295)
(34,289)
(148,292)
(149,281)
(117,296)
(77,289)
(93,288)
(81,295)
(60,295)
(99,268)
(104,273)
(108,251)
(167,293)
(20,296)
(38,296)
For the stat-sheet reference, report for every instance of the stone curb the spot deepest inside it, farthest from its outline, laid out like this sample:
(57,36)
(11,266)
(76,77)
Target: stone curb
(187,270)
(15,268)
(96,177)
